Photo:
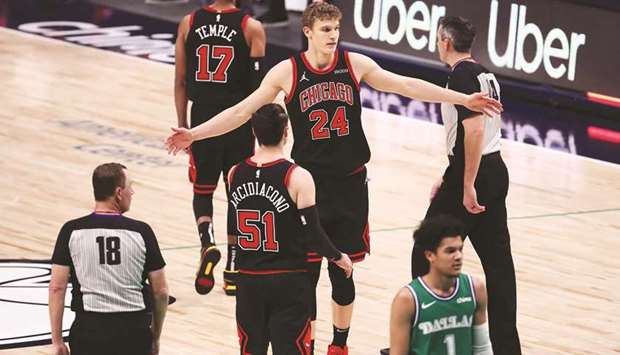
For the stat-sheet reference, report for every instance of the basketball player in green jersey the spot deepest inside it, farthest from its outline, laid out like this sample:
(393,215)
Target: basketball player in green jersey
(444,311)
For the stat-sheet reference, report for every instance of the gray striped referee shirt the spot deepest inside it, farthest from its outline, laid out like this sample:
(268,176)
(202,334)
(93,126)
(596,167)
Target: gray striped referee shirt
(109,257)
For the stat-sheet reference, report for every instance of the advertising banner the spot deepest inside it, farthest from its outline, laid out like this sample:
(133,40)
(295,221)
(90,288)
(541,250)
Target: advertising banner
(553,42)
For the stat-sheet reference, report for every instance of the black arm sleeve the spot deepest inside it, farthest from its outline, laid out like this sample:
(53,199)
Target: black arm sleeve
(256,72)
(465,82)
(315,234)
(154,259)
(61,255)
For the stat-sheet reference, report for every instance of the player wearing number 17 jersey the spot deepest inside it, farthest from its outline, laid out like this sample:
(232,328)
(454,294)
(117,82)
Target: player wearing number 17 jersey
(218,56)
(274,204)
(321,87)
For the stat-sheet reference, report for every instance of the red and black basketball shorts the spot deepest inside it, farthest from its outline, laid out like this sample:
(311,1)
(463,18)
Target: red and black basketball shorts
(273,308)
(213,157)
(343,209)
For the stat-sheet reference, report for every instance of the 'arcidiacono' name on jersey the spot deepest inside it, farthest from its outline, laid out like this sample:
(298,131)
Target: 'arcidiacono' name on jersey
(256,188)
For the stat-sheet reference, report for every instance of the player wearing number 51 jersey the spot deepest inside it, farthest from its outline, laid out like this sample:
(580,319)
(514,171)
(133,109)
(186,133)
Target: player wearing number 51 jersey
(274,202)
(218,55)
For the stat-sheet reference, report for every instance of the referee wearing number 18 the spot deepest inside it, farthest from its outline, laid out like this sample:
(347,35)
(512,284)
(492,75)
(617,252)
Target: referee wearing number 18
(108,257)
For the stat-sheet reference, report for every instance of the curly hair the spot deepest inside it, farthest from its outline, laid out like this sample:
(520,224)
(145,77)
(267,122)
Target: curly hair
(319,11)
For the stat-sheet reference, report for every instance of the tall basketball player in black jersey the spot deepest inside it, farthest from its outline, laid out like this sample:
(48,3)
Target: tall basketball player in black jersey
(474,186)
(218,54)
(322,95)
(274,204)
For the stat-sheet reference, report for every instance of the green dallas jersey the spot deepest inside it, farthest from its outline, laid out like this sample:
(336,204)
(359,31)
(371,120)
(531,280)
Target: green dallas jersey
(442,325)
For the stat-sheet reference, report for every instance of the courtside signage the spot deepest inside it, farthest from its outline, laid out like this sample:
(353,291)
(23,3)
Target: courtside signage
(552,42)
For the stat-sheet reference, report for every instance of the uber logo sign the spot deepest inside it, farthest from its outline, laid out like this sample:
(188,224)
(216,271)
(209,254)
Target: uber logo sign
(554,42)
(417,17)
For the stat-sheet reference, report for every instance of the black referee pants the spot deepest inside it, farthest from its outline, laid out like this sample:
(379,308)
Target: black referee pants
(111,334)
(488,232)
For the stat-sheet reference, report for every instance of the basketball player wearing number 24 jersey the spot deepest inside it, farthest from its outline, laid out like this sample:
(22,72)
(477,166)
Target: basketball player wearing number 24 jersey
(322,28)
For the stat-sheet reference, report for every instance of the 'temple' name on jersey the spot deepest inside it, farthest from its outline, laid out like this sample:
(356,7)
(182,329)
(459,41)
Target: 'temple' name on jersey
(216,30)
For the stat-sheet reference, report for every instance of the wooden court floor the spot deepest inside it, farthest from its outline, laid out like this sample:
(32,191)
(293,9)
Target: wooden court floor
(66,109)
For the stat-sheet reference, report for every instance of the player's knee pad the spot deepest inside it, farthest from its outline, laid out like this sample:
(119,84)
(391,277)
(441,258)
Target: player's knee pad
(343,288)
(203,205)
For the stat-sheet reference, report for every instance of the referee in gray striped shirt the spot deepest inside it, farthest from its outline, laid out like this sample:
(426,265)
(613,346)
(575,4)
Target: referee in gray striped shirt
(108,257)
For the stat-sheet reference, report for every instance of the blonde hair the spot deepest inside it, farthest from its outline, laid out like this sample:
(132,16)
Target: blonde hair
(320,11)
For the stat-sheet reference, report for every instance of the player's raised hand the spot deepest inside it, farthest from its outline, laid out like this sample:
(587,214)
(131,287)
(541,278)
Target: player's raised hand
(345,264)
(179,140)
(481,102)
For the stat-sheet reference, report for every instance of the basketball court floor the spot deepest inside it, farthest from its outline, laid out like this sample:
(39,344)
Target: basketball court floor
(66,109)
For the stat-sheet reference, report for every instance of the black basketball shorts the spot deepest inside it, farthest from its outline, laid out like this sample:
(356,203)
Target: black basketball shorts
(343,209)
(214,156)
(274,308)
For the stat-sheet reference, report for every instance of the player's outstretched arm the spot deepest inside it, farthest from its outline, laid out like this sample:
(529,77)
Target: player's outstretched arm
(481,343)
(401,315)
(302,190)
(369,71)
(276,80)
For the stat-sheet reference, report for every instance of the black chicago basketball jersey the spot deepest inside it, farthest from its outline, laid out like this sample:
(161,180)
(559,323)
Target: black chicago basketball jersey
(270,236)
(325,111)
(217,57)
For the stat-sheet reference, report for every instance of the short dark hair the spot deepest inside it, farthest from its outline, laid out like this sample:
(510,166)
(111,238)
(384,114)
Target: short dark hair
(429,235)
(269,123)
(106,178)
(460,31)
(319,11)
